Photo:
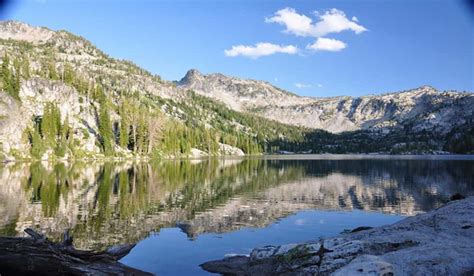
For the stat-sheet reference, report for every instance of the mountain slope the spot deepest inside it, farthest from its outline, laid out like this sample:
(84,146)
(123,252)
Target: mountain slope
(109,107)
(61,97)
(239,94)
(425,108)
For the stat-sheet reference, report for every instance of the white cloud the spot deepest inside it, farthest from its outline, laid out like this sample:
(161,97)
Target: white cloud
(320,85)
(298,24)
(335,21)
(331,21)
(328,22)
(302,85)
(260,49)
(327,44)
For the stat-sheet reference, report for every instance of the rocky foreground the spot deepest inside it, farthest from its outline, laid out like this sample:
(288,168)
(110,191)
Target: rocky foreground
(440,242)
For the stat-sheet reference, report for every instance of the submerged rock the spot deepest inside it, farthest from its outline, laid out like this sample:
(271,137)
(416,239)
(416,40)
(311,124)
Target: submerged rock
(361,228)
(456,196)
(440,242)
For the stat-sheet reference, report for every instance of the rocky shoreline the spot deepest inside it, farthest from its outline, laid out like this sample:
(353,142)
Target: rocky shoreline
(440,242)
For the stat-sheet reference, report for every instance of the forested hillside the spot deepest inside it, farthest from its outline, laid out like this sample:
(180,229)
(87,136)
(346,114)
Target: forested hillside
(77,102)
(61,97)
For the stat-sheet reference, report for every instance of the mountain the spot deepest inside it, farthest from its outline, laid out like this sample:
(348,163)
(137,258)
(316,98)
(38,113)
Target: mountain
(239,94)
(424,108)
(108,107)
(64,98)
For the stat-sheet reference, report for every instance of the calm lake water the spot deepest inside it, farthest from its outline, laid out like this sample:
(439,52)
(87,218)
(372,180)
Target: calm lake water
(182,213)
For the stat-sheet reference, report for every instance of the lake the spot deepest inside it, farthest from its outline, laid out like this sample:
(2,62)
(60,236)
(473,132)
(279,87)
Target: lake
(184,212)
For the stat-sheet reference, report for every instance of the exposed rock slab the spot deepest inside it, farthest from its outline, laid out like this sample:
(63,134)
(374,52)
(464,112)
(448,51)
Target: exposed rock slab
(440,242)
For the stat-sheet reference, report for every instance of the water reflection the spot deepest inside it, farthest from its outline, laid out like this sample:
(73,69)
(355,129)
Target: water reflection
(108,203)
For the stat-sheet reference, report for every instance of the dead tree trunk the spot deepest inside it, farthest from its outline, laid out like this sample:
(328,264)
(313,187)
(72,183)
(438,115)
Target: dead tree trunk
(39,256)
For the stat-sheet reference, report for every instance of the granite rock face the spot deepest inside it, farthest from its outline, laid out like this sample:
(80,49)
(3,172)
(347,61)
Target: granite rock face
(423,108)
(35,94)
(440,242)
(22,31)
(17,115)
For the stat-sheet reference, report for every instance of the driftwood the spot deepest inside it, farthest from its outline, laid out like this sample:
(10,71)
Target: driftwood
(39,256)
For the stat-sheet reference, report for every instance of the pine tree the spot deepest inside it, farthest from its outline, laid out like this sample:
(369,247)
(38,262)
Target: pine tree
(51,124)
(105,129)
(68,74)
(142,134)
(63,137)
(37,147)
(124,125)
(10,81)
(25,67)
(6,73)
(52,71)
(16,79)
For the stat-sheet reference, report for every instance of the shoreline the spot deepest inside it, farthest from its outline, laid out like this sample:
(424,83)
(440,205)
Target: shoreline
(321,156)
(439,242)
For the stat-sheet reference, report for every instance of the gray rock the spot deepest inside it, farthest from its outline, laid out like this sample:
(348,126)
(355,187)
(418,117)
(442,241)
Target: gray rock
(263,253)
(424,107)
(366,265)
(434,243)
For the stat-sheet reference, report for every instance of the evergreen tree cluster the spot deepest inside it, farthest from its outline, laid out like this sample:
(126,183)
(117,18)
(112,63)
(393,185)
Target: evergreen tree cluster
(66,74)
(11,75)
(461,139)
(50,133)
(140,127)
(105,128)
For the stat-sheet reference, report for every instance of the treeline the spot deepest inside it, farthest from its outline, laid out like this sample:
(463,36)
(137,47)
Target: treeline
(144,130)
(461,139)
(251,133)
(141,127)
(203,124)
(66,74)
(396,141)
(11,74)
(49,132)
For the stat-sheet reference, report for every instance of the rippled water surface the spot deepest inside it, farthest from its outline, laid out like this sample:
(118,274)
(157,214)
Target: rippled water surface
(182,213)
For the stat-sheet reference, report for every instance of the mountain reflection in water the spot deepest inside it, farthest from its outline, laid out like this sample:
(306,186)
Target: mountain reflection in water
(112,203)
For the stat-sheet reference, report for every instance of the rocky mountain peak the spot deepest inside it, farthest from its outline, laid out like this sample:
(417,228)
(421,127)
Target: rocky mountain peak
(191,76)
(22,31)
(428,89)
(425,89)
(424,106)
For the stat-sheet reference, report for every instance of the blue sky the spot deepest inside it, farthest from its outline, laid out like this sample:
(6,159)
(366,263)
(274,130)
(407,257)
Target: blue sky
(316,48)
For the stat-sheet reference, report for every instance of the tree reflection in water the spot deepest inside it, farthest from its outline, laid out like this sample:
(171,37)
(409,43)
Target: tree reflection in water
(109,203)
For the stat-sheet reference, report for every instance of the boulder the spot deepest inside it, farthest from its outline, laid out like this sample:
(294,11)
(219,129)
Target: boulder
(440,242)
